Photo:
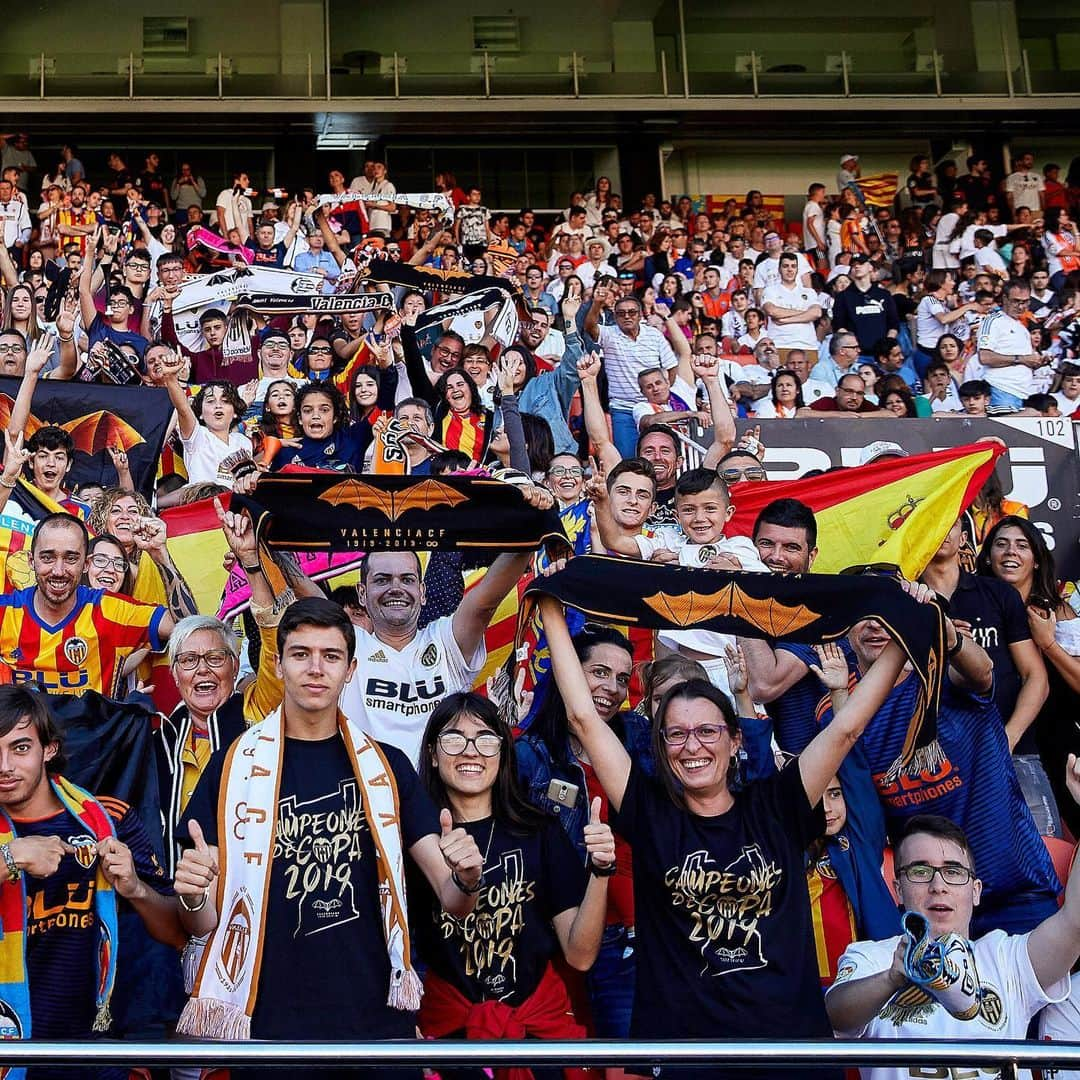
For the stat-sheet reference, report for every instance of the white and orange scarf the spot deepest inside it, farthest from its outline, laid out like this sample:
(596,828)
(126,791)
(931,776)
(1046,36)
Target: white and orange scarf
(223,1000)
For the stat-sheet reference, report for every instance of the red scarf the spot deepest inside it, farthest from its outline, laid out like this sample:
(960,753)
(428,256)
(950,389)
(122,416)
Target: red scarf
(545,1014)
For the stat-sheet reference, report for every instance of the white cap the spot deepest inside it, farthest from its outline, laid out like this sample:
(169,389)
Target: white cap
(849,157)
(880,449)
(839,270)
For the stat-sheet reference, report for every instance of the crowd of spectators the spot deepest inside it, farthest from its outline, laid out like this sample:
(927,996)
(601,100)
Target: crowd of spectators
(662,809)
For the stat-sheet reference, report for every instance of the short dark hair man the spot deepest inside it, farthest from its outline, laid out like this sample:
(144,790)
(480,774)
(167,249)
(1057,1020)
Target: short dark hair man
(67,859)
(314,909)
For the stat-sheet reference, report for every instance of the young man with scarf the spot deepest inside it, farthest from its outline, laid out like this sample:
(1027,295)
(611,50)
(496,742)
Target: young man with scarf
(67,857)
(303,895)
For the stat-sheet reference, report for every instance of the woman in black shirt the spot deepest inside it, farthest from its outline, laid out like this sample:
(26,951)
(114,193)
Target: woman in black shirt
(725,943)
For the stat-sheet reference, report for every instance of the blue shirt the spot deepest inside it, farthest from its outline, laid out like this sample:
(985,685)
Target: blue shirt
(100,330)
(323,260)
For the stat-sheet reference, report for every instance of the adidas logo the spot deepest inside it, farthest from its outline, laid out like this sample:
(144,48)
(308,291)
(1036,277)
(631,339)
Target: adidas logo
(378,658)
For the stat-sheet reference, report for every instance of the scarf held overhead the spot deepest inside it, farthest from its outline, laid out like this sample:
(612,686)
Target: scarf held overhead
(810,609)
(427,278)
(15,988)
(325,511)
(223,999)
(338,304)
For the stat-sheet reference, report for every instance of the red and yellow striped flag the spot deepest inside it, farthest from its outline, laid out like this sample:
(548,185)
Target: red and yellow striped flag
(197,546)
(896,511)
(879,189)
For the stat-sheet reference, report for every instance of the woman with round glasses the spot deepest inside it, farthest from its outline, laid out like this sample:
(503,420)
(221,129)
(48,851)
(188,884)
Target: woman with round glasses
(490,974)
(724,941)
(107,565)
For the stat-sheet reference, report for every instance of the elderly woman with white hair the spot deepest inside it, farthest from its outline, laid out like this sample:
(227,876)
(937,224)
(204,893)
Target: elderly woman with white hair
(204,658)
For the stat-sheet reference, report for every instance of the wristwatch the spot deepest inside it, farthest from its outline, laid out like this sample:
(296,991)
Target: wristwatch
(14,873)
(603,871)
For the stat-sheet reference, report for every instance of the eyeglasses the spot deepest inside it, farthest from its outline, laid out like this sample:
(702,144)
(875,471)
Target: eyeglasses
(706,734)
(189,661)
(103,562)
(11,350)
(559,471)
(487,743)
(919,873)
(316,351)
(276,346)
(751,472)
(626,313)
(444,350)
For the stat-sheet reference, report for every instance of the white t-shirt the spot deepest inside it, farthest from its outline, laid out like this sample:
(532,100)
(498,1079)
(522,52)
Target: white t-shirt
(1003,334)
(1060,1022)
(812,212)
(1066,405)
(203,453)
(967,238)
(393,693)
(1024,187)
(927,328)
(791,335)
(1011,997)
(380,220)
(767,272)
(987,258)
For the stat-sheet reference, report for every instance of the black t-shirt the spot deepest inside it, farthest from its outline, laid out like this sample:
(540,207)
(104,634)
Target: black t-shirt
(998,620)
(499,951)
(271,256)
(62,926)
(325,971)
(724,935)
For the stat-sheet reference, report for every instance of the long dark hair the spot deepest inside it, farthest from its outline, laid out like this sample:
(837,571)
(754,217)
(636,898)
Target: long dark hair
(476,405)
(1044,590)
(508,803)
(270,424)
(550,724)
(799,402)
(376,375)
(691,690)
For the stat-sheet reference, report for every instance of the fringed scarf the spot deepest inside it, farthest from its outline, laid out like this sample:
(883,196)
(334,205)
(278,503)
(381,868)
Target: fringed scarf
(15,991)
(223,1000)
(810,609)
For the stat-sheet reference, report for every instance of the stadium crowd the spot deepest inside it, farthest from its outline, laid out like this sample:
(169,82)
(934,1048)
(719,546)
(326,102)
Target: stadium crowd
(361,829)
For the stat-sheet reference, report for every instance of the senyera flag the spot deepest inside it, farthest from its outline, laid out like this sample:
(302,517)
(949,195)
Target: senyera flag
(879,189)
(895,511)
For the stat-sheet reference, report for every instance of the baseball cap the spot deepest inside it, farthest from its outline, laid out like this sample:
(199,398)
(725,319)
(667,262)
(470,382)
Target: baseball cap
(269,205)
(858,258)
(848,157)
(272,332)
(881,449)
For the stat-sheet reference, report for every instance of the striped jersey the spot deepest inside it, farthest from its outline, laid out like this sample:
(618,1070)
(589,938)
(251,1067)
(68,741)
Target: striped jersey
(85,651)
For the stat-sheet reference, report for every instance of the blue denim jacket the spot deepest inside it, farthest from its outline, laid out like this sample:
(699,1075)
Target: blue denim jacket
(537,768)
(549,394)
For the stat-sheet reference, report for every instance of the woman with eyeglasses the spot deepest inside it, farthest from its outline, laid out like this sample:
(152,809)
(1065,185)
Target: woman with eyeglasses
(724,938)
(490,974)
(107,565)
(558,777)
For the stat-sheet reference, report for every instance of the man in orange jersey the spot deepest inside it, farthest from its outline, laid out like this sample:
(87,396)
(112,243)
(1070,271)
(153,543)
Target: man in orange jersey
(62,636)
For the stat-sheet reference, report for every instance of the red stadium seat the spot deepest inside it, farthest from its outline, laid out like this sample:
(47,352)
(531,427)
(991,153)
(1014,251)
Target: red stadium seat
(1061,851)
(889,874)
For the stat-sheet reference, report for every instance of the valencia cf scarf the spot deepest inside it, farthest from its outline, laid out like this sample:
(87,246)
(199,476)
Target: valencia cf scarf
(223,999)
(15,991)
(428,279)
(331,511)
(337,304)
(810,609)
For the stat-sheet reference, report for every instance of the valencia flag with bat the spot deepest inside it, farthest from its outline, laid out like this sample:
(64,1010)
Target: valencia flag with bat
(329,511)
(96,417)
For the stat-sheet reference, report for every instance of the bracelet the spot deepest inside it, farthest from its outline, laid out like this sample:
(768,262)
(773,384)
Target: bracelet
(14,873)
(198,907)
(955,650)
(603,871)
(9,485)
(465,888)
(256,569)
(70,337)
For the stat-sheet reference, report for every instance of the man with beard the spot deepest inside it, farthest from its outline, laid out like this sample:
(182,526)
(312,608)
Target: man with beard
(403,671)
(65,637)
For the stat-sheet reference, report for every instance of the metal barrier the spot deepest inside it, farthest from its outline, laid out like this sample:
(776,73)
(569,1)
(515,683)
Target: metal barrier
(1008,1057)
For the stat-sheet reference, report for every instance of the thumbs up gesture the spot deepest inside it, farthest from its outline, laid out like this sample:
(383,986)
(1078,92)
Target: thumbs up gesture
(197,869)
(461,853)
(599,839)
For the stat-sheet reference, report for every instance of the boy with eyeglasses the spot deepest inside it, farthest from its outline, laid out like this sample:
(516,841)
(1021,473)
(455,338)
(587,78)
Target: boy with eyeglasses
(990,988)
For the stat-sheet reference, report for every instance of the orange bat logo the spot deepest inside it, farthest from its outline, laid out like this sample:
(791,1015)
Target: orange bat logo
(91,433)
(425,495)
(768,614)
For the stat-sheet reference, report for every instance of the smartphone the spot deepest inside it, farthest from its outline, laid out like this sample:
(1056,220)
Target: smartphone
(563,792)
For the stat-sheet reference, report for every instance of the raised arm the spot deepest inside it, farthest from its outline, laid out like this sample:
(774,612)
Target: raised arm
(86,278)
(185,415)
(9,276)
(1054,945)
(608,756)
(580,929)
(36,359)
(707,368)
(819,762)
(593,410)
(600,297)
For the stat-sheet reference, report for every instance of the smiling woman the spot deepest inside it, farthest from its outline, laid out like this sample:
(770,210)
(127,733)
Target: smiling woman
(719,882)
(535,898)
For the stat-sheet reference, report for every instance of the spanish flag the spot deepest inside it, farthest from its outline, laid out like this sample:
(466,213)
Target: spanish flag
(197,546)
(896,511)
(879,189)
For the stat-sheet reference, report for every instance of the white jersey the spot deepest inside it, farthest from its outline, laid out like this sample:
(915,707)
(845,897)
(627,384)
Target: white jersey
(1060,1022)
(393,692)
(1010,992)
